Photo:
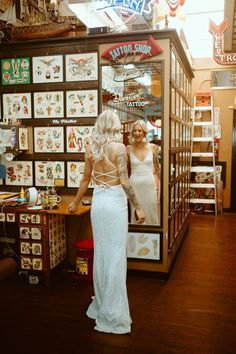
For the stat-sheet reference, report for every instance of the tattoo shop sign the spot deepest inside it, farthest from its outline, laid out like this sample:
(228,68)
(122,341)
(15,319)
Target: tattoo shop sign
(144,49)
(218,44)
(120,56)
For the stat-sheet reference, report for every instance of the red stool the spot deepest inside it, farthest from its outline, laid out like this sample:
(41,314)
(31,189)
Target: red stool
(84,260)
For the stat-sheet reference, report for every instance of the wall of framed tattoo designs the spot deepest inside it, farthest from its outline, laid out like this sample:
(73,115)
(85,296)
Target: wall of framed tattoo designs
(57,88)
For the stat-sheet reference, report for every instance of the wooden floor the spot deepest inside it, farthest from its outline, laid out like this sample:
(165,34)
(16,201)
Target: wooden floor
(194,312)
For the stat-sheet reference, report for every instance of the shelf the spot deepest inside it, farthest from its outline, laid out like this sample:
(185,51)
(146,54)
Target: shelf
(202,154)
(203,108)
(202,139)
(202,185)
(202,169)
(203,201)
(203,123)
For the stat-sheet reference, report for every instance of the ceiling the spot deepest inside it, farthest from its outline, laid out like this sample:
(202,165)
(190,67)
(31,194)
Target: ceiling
(115,19)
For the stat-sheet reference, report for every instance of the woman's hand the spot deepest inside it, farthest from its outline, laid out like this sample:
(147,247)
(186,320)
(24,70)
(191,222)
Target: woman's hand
(140,217)
(72,207)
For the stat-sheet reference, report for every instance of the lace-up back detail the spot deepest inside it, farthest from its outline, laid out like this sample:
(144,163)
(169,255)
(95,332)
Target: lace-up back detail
(103,175)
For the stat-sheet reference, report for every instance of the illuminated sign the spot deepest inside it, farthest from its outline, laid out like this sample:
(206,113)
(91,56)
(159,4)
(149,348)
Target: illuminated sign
(218,44)
(135,6)
(145,49)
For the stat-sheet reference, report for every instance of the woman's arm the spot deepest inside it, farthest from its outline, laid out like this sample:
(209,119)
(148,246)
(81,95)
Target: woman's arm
(72,207)
(124,180)
(156,167)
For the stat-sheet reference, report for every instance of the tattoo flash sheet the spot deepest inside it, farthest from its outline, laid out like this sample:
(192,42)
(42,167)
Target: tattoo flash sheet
(17,105)
(77,137)
(47,171)
(82,103)
(144,246)
(48,139)
(47,69)
(49,104)
(19,173)
(15,71)
(82,67)
(75,170)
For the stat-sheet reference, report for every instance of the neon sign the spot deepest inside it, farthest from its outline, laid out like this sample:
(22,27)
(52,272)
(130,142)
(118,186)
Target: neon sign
(134,6)
(218,44)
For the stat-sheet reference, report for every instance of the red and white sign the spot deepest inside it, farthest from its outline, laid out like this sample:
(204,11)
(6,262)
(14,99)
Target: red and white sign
(218,44)
(145,49)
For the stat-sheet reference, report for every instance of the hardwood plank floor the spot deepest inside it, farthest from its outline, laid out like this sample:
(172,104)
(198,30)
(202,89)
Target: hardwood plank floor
(194,312)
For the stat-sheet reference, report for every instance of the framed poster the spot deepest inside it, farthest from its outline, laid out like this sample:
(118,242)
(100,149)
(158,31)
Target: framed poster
(17,105)
(23,139)
(19,173)
(144,246)
(75,170)
(49,104)
(8,137)
(47,69)
(82,67)
(82,103)
(48,139)
(77,137)
(49,173)
(15,71)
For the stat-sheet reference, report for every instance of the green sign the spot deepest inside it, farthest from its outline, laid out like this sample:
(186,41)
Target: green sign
(15,71)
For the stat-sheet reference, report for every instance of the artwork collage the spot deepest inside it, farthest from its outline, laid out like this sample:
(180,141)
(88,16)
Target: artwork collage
(54,104)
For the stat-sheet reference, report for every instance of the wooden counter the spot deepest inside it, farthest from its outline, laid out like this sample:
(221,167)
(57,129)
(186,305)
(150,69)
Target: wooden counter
(82,209)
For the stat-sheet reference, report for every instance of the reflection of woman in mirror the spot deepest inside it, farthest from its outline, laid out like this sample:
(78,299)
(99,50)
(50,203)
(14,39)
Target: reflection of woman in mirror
(144,177)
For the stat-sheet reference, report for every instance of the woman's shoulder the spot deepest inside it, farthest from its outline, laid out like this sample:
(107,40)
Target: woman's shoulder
(128,148)
(154,147)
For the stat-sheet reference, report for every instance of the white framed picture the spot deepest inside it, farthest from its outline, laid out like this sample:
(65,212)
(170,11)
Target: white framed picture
(75,170)
(19,173)
(48,173)
(47,69)
(82,103)
(144,246)
(49,104)
(17,106)
(77,137)
(49,139)
(82,67)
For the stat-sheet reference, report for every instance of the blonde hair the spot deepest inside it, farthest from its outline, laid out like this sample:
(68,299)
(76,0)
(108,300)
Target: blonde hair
(106,129)
(144,127)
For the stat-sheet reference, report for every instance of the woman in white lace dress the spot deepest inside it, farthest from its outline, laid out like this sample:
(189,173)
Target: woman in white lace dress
(106,161)
(144,166)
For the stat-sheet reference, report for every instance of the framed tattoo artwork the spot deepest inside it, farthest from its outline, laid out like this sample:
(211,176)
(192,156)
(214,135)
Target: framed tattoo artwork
(144,246)
(82,103)
(19,173)
(49,104)
(15,71)
(47,69)
(23,138)
(75,170)
(17,105)
(77,137)
(48,139)
(82,67)
(47,172)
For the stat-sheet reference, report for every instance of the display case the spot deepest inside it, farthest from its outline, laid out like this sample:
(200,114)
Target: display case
(143,75)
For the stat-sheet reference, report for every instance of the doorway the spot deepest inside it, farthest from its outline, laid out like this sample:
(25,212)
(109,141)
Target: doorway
(233,170)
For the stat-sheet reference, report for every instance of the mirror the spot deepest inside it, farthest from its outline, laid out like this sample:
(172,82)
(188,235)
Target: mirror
(134,92)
